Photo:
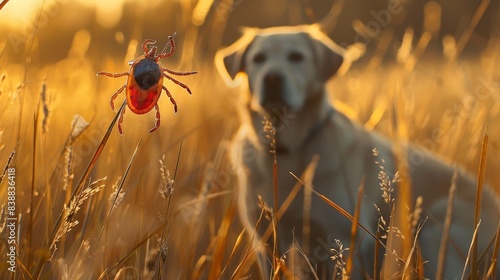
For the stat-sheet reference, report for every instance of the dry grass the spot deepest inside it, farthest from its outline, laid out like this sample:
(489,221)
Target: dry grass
(71,229)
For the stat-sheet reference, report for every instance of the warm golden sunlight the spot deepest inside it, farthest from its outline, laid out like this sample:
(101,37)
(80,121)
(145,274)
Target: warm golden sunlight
(13,11)
(182,139)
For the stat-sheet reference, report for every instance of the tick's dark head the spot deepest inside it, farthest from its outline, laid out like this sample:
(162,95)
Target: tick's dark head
(146,72)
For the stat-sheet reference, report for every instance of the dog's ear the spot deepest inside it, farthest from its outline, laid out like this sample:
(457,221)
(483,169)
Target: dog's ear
(329,57)
(231,60)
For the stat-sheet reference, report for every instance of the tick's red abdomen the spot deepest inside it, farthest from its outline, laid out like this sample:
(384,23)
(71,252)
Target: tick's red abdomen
(145,82)
(144,85)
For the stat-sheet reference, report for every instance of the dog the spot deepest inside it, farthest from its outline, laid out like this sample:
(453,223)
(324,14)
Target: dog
(287,69)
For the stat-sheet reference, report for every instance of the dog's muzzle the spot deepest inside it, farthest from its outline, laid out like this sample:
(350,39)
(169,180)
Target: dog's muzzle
(273,91)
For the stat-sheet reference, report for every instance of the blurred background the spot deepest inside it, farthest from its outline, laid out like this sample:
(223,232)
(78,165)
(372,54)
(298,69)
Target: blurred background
(219,21)
(440,57)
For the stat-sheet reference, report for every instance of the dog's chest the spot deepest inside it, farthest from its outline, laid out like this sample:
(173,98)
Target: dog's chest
(336,176)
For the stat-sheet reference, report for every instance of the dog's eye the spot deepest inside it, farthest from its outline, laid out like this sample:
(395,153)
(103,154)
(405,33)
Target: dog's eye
(259,58)
(295,57)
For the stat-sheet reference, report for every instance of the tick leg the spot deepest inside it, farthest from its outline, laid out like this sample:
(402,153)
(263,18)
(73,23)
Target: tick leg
(179,73)
(178,83)
(120,121)
(113,97)
(146,43)
(171,98)
(112,75)
(164,54)
(157,123)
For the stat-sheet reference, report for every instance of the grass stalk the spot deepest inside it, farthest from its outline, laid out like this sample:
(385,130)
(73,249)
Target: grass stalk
(446,228)
(222,235)
(492,271)
(275,186)
(3,3)
(308,173)
(248,252)
(120,187)
(469,253)
(346,214)
(108,270)
(9,161)
(477,210)
(471,27)
(354,228)
(236,245)
(79,186)
(32,190)
(166,228)
(376,255)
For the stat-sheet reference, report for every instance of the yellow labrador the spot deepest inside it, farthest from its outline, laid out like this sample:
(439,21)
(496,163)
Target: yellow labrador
(287,68)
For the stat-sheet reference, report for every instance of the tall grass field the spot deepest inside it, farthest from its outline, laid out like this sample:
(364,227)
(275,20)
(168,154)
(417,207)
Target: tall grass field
(79,201)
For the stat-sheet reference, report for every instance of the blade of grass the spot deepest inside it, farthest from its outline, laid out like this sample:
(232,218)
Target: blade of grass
(233,251)
(79,186)
(376,255)
(479,195)
(194,201)
(470,28)
(27,67)
(9,160)
(272,135)
(334,206)
(424,40)
(446,228)
(275,211)
(276,262)
(376,116)
(351,218)
(197,271)
(390,265)
(381,49)
(494,258)
(32,189)
(166,229)
(249,256)
(167,207)
(129,253)
(284,206)
(120,187)
(297,248)
(111,207)
(474,238)
(222,235)
(2,4)
(306,227)
(291,196)
(69,141)
(420,262)
(411,254)
(354,228)
(404,202)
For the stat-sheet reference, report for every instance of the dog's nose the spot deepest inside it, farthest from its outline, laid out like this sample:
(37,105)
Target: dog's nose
(273,82)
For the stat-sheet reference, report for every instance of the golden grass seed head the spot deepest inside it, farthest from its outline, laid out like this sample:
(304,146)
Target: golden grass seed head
(117,194)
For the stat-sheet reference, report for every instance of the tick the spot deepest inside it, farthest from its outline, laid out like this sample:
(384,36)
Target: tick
(145,82)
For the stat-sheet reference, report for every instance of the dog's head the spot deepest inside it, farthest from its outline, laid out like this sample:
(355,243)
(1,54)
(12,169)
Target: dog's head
(285,66)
